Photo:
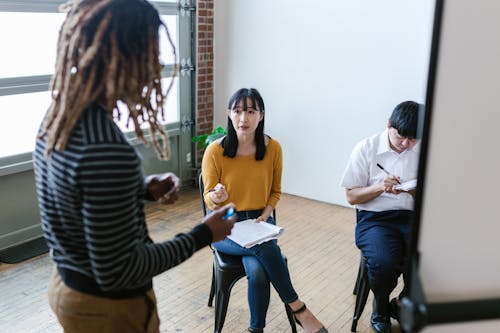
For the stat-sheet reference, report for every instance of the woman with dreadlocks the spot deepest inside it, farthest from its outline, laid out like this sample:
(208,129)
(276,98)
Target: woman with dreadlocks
(89,180)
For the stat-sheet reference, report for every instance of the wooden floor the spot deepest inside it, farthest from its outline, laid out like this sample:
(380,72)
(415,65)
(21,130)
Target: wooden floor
(318,242)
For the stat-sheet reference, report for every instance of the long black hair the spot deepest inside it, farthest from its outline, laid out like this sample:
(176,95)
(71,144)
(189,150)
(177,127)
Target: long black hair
(230,141)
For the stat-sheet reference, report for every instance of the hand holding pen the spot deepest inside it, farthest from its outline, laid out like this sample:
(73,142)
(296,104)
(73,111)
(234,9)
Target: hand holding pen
(390,181)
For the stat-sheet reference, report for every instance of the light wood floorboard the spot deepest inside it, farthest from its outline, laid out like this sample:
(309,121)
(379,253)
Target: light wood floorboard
(318,242)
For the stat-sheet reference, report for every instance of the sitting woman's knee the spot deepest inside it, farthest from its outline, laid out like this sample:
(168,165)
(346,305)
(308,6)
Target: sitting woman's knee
(256,274)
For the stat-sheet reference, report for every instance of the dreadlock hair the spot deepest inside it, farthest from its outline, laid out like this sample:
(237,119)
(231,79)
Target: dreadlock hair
(230,141)
(108,50)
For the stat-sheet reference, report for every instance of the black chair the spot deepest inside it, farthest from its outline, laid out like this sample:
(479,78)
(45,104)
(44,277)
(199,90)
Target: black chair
(227,270)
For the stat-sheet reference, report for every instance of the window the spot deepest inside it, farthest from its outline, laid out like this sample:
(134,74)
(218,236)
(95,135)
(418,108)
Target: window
(31,50)
(29,35)
(21,117)
(27,63)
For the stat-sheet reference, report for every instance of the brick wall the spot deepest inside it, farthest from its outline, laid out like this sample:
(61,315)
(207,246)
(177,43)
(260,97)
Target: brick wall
(204,69)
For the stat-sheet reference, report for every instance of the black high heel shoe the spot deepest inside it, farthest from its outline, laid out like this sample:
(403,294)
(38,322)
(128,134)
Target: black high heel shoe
(300,310)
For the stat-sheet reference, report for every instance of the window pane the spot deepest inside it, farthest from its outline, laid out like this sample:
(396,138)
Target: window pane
(21,116)
(28,49)
(40,38)
(171,108)
(17,133)
(166,56)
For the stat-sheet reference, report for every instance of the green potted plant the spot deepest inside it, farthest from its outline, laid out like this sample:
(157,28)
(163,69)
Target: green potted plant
(204,140)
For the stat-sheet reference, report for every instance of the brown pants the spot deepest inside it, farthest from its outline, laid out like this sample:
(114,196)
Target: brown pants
(83,313)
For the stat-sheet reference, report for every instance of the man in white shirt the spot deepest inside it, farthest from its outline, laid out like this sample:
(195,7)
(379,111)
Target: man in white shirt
(377,166)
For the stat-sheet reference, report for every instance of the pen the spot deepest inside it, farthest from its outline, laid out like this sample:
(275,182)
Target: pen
(387,172)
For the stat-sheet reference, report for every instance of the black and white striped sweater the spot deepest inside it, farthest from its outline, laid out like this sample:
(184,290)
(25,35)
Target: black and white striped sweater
(90,198)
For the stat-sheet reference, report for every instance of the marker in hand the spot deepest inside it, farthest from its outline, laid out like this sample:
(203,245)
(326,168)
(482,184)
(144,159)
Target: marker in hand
(387,172)
(229,213)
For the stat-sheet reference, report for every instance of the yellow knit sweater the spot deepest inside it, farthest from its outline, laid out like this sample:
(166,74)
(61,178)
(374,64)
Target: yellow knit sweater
(251,184)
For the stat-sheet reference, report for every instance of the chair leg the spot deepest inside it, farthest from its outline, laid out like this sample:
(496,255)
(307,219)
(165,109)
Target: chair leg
(223,284)
(221,303)
(362,289)
(291,319)
(358,278)
(361,297)
(212,289)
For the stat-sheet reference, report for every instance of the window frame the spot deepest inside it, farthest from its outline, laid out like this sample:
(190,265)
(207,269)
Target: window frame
(39,83)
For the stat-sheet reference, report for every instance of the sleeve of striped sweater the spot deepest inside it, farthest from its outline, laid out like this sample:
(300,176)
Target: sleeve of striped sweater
(121,253)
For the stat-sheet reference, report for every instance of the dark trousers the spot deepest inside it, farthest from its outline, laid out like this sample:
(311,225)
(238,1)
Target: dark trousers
(383,239)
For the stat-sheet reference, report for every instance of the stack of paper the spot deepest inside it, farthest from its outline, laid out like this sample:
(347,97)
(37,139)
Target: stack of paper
(249,233)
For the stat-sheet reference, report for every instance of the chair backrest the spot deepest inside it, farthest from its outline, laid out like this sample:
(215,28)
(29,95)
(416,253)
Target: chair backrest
(200,186)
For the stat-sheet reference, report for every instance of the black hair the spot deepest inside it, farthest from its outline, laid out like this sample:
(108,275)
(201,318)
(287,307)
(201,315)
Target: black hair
(230,141)
(404,119)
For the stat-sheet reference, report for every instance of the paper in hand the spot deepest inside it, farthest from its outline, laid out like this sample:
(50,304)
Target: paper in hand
(406,186)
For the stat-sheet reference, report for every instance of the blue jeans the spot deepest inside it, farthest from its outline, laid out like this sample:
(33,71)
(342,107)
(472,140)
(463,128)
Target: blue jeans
(383,240)
(263,263)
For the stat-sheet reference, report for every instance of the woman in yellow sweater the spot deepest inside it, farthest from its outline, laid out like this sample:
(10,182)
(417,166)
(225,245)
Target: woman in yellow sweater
(245,168)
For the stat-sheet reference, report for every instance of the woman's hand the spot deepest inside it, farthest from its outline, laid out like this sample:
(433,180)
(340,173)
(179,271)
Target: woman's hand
(261,219)
(264,215)
(218,194)
(164,187)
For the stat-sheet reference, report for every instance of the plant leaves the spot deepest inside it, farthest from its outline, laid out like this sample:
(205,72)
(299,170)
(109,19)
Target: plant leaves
(199,138)
(204,140)
(219,130)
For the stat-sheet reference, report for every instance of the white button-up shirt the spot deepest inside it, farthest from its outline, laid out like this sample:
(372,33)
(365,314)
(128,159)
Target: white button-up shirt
(362,171)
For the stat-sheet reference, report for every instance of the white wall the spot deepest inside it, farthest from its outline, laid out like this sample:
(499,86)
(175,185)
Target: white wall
(330,73)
